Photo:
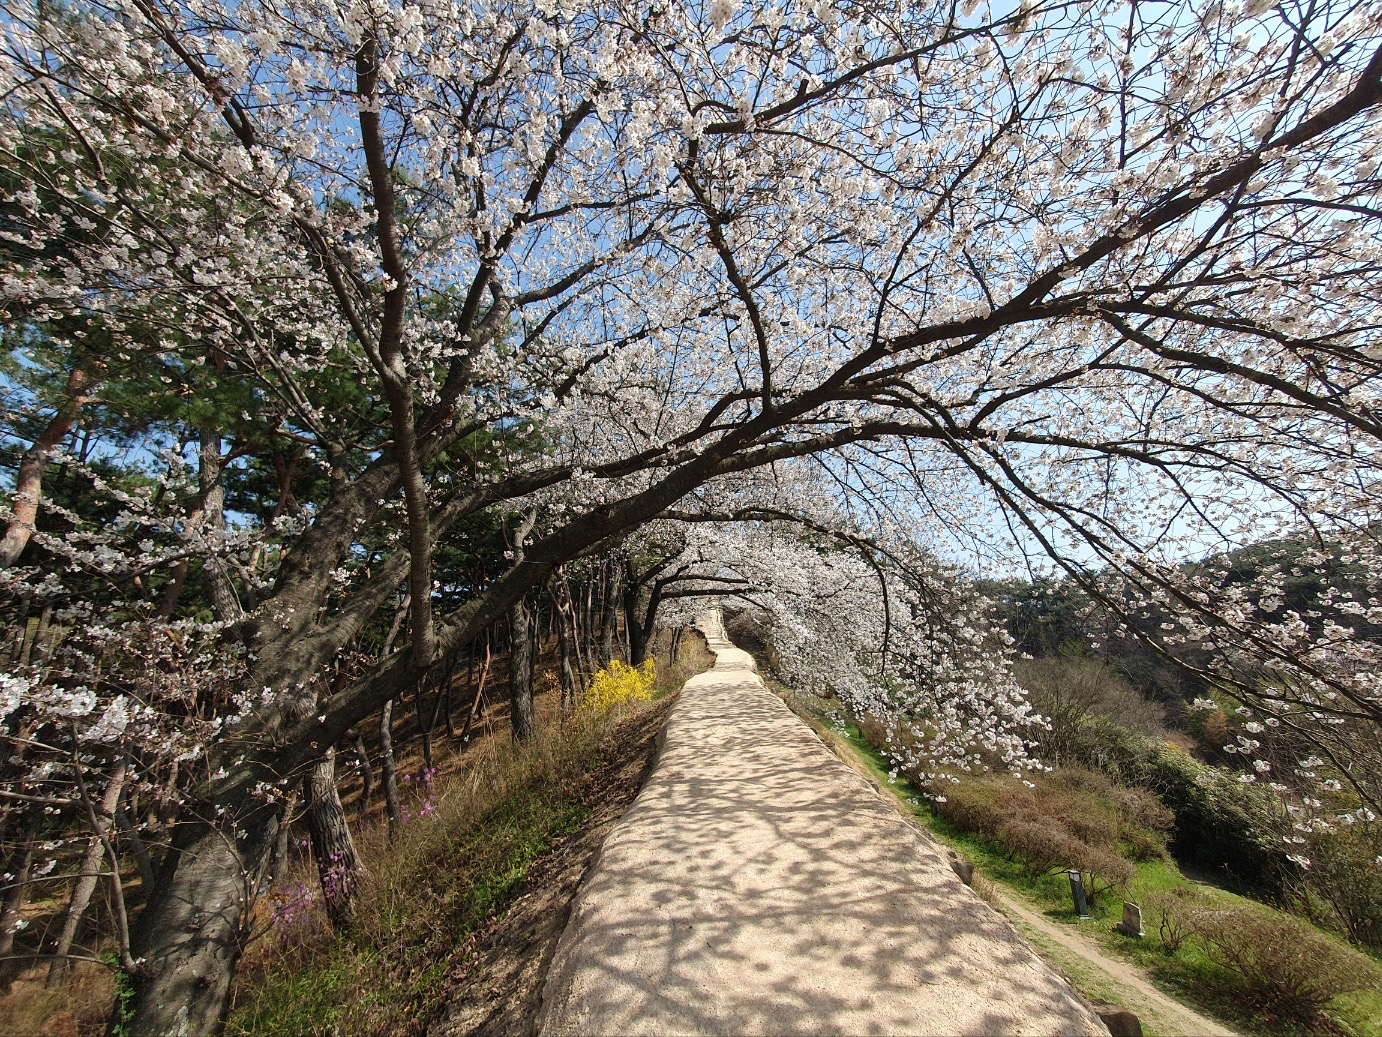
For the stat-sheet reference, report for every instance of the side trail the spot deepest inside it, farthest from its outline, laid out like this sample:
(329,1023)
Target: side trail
(759,886)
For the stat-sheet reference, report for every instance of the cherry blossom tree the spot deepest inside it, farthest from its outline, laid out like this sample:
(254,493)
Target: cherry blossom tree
(891,633)
(1093,280)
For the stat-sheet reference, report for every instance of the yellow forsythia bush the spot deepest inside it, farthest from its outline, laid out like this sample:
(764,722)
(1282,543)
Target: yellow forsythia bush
(619,683)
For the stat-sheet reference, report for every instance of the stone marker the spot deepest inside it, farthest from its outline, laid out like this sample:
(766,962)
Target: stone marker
(1131,925)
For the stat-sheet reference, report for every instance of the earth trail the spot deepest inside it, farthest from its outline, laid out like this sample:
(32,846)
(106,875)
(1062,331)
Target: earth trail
(759,886)
(1167,1017)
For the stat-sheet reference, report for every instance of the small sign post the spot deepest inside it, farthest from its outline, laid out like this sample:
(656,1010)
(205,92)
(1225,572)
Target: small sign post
(1077,892)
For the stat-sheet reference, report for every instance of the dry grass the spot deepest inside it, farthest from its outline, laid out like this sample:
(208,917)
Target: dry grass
(498,807)
(79,1009)
(433,882)
(692,657)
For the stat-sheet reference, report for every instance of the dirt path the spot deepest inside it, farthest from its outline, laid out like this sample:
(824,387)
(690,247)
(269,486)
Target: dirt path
(1107,978)
(759,886)
(1130,987)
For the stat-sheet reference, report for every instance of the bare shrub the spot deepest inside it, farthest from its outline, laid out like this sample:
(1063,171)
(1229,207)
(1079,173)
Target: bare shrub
(1100,812)
(1141,808)
(1173,910)
(1039,847)
(982,805)
(1091,823)
(1104,868)
(1072,818)
(1075,692)
(1345,875)
(1286,967)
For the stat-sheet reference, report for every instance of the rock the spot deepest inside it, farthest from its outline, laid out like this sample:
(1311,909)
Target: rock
(962,868)
(1120,1022)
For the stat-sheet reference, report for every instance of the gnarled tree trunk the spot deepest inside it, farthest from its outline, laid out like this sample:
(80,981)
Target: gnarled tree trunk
(338,863)
(190,938)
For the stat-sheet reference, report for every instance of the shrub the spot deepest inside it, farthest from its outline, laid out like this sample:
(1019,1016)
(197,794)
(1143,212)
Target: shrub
(1104,869)
(1102,813)
(1143,844)
(1040,847)
(1284,966)
(978,805)
(1072,818)
(1345,875)
(1141,809)
(620,683)
(1077,693)
(1173,910)
(1221,823)
(1083,802)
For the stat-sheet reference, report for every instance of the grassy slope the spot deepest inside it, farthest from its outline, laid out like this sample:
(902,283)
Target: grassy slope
(1186,974)
(441,878)
(439,882)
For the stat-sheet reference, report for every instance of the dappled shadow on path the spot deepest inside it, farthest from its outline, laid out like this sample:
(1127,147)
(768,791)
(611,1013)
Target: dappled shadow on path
(760,886)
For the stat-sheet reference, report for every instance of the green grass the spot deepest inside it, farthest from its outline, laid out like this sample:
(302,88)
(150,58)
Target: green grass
(440,879)
(1187,974)
(393,966)
(299,1001)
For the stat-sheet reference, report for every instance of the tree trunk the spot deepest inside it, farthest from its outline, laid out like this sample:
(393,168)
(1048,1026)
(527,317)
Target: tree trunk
(278,854)
(191,935)
(172,593)
(18,865)
(427,721)
(366,769)
(28,484)
(224,602)
(338,863)
(564,616)
(87,876)
(34,650)
(446,708)
(522,718)
(609,623)
(131,835)
(386,768)
(477,705)
(21,628)
(587,629)
(633,620)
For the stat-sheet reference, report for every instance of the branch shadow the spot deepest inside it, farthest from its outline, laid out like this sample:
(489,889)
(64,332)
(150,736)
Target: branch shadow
(758,885)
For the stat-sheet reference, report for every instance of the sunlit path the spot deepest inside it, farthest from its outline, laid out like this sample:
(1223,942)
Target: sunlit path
(758,886)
